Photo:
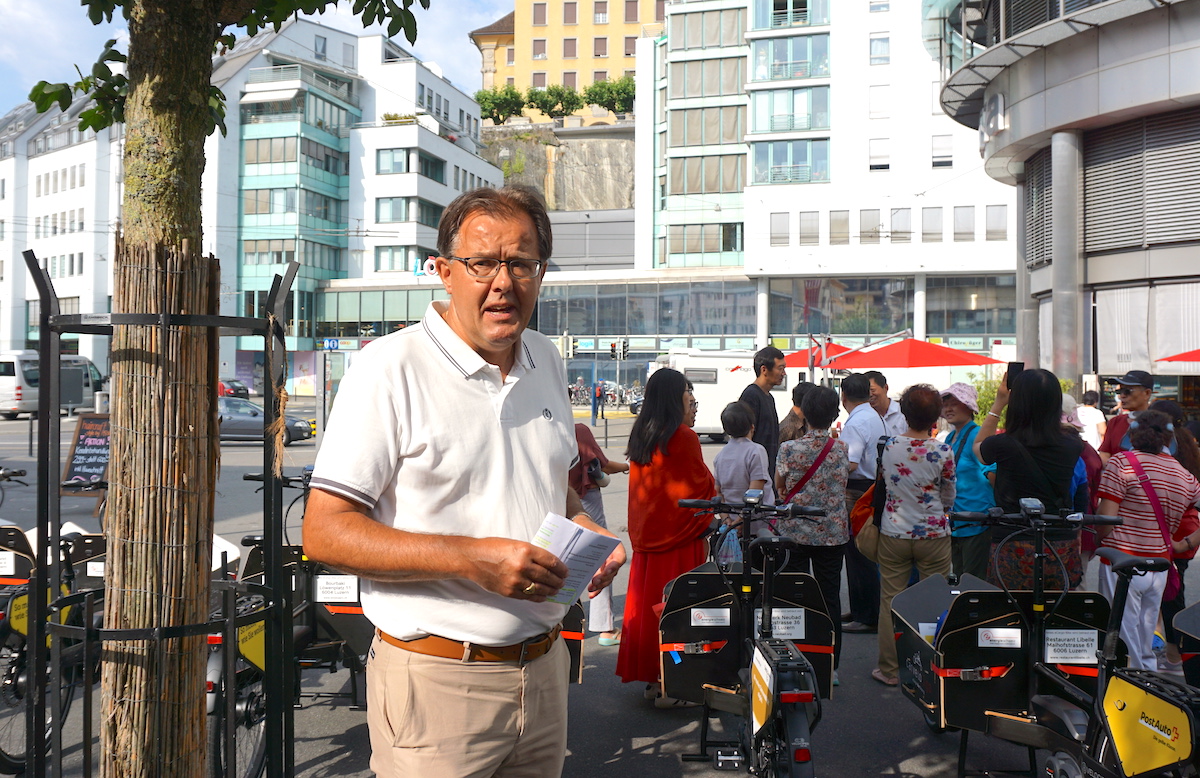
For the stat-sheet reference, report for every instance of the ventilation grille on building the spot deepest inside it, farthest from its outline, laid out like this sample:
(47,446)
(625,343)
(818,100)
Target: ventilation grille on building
(1038,210)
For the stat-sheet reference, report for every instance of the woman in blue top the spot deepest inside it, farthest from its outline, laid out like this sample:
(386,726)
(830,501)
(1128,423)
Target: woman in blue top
(970,544)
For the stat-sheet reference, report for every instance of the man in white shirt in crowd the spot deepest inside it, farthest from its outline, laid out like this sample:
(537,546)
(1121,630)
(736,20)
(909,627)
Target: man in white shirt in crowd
(887,408)
(450,442)
(861,434)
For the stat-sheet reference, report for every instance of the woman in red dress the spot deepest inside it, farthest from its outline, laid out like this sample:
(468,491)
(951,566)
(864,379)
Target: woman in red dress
(665,466)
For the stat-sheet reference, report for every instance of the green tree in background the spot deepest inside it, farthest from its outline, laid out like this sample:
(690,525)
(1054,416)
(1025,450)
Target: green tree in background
(165,445)
(500,103)
(986,389)
(555,101)
(615,96)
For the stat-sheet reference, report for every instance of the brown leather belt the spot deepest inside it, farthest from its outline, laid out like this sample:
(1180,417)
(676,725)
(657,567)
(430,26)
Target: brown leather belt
(432,645)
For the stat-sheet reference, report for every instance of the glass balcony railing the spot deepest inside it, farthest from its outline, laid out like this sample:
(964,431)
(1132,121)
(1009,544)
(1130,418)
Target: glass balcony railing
(787,121)
(340,90)
(780,71)
(791,174)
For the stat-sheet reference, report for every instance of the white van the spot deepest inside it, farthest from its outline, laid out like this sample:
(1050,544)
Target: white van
(19,379)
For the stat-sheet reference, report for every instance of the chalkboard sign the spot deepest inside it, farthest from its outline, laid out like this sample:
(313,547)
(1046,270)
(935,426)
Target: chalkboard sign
(88,459)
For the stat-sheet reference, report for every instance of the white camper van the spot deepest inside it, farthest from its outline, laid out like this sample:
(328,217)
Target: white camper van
(19,379)
(718,378)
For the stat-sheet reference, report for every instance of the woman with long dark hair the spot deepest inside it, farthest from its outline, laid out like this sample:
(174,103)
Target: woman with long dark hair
(1149,491)
(1034,457)
(665,466)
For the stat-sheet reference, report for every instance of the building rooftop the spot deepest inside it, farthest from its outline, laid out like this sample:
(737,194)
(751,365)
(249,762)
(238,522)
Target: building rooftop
(502,25)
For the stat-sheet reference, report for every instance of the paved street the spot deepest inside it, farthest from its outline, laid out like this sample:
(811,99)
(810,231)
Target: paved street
(867,730)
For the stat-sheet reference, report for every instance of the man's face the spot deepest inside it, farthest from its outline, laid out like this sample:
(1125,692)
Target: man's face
(879,398)
(1134,398)
(955,412)
(689,409)
(775,372)
(490,313)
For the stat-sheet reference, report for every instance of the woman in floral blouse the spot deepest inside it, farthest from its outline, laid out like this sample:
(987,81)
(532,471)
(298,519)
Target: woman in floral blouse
(918,472)
(823,542)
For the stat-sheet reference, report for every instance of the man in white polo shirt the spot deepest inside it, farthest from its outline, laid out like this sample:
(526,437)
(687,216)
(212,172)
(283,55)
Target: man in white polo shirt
(449,443)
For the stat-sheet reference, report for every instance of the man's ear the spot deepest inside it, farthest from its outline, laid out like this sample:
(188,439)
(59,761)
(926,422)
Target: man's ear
(442,265)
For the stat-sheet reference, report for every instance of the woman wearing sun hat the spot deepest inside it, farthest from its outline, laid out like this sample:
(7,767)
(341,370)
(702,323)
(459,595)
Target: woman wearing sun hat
(970,544)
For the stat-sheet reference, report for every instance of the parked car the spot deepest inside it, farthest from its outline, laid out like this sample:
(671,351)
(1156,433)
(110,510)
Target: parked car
(635,405)
(243,420)
(231,387)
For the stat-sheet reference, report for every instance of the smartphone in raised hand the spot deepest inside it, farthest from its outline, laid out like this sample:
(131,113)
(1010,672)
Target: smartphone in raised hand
(1014,369)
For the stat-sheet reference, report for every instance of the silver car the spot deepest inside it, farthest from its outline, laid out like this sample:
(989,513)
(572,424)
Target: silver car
(243,420)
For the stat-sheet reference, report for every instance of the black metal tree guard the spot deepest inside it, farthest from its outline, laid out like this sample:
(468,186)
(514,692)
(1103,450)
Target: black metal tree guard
(278,675)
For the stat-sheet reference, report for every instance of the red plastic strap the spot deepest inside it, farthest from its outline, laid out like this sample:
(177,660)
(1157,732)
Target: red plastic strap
(705,648)
(13,581)
(813,649)
(983,673)
(571,635)
(1084,670)
(355,610)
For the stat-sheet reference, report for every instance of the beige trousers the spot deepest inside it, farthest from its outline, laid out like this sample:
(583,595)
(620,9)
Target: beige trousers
(896,559)
(430,716)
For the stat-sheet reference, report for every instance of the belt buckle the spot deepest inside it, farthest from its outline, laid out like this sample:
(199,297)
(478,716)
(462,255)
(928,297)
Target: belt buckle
(521,656)
(973,674)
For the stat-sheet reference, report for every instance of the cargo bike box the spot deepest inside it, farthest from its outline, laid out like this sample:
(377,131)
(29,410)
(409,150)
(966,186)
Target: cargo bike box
(964,650)
(700,628)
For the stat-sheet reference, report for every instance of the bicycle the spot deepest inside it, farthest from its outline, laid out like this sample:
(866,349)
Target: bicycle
(1042,669)
(10,475)
(760,649)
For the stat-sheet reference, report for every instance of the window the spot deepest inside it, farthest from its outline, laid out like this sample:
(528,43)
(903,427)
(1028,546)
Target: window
(779,229)
(791,162)
(880,48)
(783,110)
(1,229)
(81,166)
(262,201)
(707,126)
(72,177)
(631,11)
(569,48)
(38,186)
(511,60)
(265,150)
(869,226)
(943,151)
(709,174)
(878,6)
(600,47)
(390,209)
(348,55)
(569,79)
(319,49)
(880,153)
(901,225)
(599,75)
(810,228)
(539,48)
(570,13)
(539,14)
(630,45)
(879,99)
(539,80)
(600,12)
(964,223)
(708,78)
(428,213)
(391,258)
(510,80)
(3,181)
(931,225)
(432,167)
(839,228)
(389,161)
(997,222)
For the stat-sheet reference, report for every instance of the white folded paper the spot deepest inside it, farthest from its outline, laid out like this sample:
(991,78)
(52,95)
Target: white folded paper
(580,549)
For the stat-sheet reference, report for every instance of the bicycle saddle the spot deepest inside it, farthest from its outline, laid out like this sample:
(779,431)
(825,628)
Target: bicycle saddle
(1121,561)
(775,547)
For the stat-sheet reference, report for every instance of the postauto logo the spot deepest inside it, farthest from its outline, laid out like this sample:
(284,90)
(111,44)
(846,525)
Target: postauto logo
(1169,732)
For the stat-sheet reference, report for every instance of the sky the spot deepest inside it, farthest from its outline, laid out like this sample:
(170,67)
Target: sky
(44,40)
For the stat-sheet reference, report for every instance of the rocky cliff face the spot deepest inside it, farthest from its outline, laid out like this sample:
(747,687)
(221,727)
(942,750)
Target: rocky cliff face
(573,173)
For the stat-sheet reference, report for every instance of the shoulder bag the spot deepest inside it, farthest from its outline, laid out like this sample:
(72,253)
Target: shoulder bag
(868,510)
(1174,581)
(810,472)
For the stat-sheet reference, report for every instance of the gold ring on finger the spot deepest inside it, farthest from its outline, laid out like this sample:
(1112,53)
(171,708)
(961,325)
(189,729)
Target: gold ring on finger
(531,588)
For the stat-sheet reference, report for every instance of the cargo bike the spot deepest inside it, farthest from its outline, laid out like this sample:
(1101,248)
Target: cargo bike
(1043,669)
(753,640)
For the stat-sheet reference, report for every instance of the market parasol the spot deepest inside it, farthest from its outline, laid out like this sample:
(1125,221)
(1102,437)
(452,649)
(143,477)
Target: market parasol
(1187,356)
(909,352)
(800,358)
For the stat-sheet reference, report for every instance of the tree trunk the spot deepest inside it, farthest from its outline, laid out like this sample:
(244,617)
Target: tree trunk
(164,431)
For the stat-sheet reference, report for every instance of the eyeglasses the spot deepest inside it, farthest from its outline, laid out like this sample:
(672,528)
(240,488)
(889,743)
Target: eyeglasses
(1125,391)
(487,267)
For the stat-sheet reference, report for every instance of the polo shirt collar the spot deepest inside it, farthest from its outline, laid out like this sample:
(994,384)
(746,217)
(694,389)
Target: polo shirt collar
(458,353)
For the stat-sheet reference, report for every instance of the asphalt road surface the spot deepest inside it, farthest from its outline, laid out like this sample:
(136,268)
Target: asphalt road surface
(866,730)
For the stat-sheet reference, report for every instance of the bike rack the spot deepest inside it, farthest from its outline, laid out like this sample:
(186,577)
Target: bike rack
(279,676)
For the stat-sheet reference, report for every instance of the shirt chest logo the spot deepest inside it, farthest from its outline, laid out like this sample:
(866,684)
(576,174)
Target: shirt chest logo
(547,415)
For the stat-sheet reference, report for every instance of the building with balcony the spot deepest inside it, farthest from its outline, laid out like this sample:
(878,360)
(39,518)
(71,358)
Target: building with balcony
(1088,110)
(797,149)
(569,42)
(340,154)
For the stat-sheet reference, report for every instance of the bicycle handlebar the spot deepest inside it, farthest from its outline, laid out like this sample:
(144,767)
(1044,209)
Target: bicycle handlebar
(716,506)
(996,518)
(9,475)
(289,481)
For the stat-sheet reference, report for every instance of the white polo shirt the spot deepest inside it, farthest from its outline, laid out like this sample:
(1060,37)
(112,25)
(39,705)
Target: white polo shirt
(894,422)
(428,435)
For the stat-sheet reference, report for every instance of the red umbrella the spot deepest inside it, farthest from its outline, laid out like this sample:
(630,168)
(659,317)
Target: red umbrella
(910,352)
(1187,356)
(800,358)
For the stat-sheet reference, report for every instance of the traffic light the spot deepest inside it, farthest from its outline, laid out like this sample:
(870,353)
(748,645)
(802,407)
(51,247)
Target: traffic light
(612,350)
(625,349)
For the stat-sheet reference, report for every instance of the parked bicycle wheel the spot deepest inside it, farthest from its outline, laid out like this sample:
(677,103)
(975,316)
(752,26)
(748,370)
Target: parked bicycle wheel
(249,726)
(783,749)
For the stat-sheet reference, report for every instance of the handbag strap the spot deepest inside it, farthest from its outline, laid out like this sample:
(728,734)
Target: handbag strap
(962,440)
(812,469)
(1066,501)
(1151,495)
